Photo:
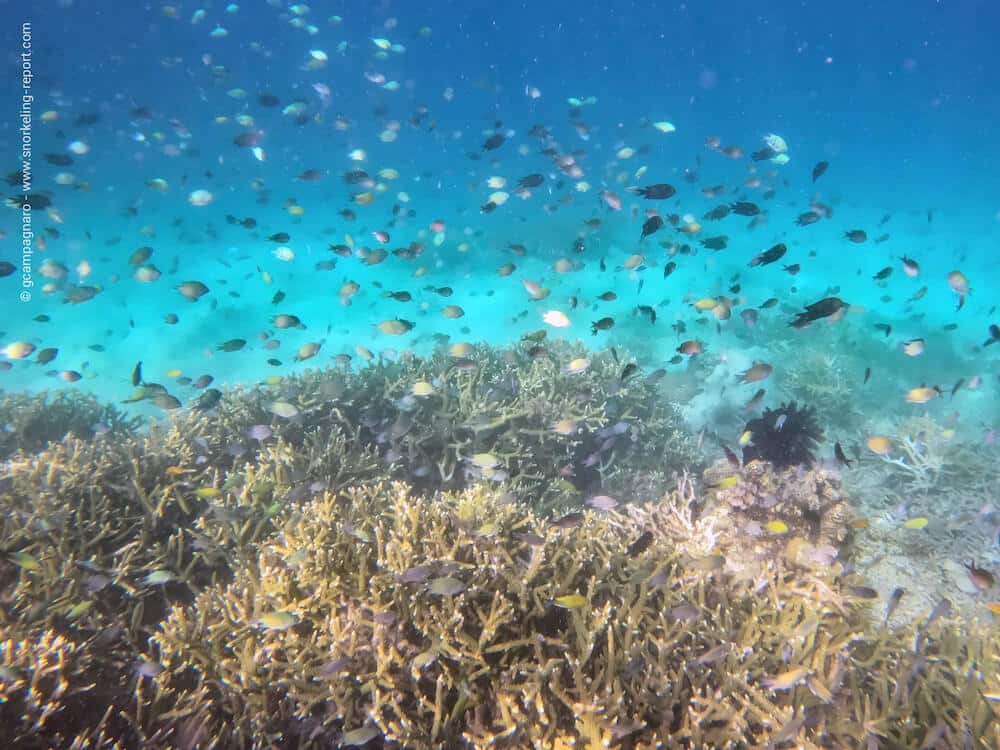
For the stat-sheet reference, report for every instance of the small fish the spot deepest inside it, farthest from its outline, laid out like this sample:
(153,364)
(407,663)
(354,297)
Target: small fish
(777,527)
(838,453)
(759,371)
(571,601)
(868,374)
(640,545)
(982,579)
(894,599)
(603,324)
(862,592)
(856,235)
(920,522)
(922,394)
(819,170)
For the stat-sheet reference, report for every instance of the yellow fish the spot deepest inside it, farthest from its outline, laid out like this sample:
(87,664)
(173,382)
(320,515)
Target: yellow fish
(916,523)
(880,445)
(777,527)
(922,394)
(726,482)
(707,303)
(571,601)
(207,493)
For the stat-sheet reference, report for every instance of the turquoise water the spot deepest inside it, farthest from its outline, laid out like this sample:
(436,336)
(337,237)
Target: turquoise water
(136,107)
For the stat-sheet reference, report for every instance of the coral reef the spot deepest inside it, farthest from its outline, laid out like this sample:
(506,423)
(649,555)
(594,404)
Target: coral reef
(786,436)
(210,583)
(761,512)
(825,377)
(30,421)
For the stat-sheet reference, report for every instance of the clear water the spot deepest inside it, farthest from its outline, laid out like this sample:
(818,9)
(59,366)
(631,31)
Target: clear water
(900,98)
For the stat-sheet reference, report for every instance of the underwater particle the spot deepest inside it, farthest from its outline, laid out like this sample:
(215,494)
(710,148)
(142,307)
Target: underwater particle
(446,586)
(18,350)
(777,527)
(277,620)
(283,409)
(571,601)
(919,522)
(556,319)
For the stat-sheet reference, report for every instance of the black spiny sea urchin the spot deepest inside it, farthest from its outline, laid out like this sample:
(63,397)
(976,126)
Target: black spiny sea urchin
(786,436)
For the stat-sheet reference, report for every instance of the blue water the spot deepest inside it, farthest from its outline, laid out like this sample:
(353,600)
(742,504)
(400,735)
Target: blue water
(900,98)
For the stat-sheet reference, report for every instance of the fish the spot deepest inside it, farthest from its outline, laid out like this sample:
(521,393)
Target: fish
(137,374)
(640,545)
(744,208)
(825,308)
(856,235)
(959,285)
(651,225)
(894,598)
(981,578)
(922,394)
(659,191)
(603,324)
(769,256)
(759,371)
(994,337)
(838,453)
(819,170)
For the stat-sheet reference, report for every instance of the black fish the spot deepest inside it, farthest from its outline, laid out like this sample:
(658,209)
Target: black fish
(957,386)
(648,311)
(838,452)
(994,335)
(278,296)
(823,309)
(744,208)
(266,99)
(807,218)
(602,325)
(531,180)
(868,374)
(640,545)
(769,256)
(792,269)
(657,192)
(819,169)
(884,327)
(894,598)
(6,269)
(856,235)
(280,237)
(884,274)
(630,369)
(668,269)
(495,141)
(719,212)
(731,457)
(208,399)
(58,160)
(715,243)
(651,225)
(569,521)
(764,154)
(137,374)
(233,345)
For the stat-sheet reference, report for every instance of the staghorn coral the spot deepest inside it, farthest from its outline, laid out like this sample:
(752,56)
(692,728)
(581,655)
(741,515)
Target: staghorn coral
(278,592)
(826,378)
(31,421)
(665,647)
